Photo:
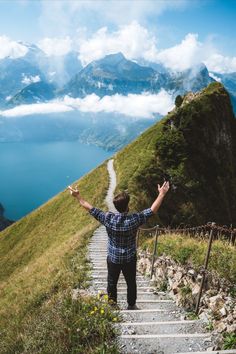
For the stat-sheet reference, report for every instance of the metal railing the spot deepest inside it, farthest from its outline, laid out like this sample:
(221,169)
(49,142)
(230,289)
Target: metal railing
(209,232)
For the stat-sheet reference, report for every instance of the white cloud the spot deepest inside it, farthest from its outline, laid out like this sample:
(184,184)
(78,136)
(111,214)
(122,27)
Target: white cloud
(188,53)
(55,46)
(136,106)
(215,77)
(221,64)
(12,49)
(133,40)
(65,16)
(36,108)
(30,79)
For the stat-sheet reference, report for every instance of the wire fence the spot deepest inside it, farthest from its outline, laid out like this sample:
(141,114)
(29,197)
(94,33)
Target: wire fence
(208,232)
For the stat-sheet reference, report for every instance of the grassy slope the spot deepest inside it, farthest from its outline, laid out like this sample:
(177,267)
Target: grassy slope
(198,153)
(33,251)
(139,168)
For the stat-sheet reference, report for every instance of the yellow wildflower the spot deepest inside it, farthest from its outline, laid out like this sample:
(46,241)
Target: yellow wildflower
(95,308)
(92,312)
(102,311)
(114,319)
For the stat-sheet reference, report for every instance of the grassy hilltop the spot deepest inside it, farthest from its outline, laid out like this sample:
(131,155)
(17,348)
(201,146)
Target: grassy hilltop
(42,256)
(195,147)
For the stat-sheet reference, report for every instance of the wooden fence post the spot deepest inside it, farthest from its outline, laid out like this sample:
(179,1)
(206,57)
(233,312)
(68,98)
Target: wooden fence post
(205,267)
(154,251)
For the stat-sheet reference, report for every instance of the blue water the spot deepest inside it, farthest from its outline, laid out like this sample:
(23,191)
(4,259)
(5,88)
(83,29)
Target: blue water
(31,173)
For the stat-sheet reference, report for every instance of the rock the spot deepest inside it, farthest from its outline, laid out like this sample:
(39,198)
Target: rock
(221,327)
(199,278)
(195,290)
(223,311)
(216,303)
(204,317)
(179,275)
(191,272)
(231,328)
(175,287)
(230,318)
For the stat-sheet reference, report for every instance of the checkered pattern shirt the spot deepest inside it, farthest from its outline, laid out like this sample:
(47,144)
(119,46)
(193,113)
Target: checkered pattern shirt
(121,229)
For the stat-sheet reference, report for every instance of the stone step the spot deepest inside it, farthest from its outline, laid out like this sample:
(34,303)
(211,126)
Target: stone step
(151,304)
(148,315)
(104,272)
(161,327)
(164,343)
(103,282)
(142,296)
(229,351)
(103,275)
(144,289)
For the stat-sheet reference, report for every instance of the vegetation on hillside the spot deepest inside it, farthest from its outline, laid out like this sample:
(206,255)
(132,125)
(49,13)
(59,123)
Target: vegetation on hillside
(42,258)
(194,147)
(188,250)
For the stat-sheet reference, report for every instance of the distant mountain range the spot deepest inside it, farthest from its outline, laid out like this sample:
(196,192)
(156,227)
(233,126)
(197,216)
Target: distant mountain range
(39,78)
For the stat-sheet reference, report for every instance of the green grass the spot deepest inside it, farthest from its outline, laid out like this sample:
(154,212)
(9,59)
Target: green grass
(188,148)
(186,250)
(229,341)
(42,257)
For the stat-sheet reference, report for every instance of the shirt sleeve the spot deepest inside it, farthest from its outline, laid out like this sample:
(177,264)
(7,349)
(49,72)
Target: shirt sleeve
(144,215)
(98,214)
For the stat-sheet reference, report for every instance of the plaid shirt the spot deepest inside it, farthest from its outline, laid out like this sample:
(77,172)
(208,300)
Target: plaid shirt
(121,229)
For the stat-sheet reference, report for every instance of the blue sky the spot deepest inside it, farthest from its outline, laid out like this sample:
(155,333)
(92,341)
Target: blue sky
(22,20)
(168,22)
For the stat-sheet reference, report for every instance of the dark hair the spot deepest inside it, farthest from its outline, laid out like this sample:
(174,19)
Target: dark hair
(121,202)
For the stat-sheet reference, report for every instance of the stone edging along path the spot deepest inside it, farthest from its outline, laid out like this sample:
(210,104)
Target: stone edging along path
(159,325)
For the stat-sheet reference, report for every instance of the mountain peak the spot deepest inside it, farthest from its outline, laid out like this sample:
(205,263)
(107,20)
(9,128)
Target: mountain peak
(112,59)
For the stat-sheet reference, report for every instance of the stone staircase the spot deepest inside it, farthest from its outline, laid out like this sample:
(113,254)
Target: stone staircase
(159,326)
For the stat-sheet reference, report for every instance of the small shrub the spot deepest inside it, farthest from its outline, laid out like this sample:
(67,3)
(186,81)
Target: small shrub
(229,341)
(178,100)
(163,285)
(192,315)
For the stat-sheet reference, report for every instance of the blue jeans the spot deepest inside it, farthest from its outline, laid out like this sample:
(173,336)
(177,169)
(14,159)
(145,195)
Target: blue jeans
(129,272)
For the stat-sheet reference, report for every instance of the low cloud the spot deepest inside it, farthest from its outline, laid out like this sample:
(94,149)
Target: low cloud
(36,108)
(215,77)
(11,49)
(30,79)
(221,64)
(136,106)
(55,46)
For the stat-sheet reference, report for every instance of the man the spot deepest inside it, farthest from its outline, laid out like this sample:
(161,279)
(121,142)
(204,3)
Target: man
(122,229)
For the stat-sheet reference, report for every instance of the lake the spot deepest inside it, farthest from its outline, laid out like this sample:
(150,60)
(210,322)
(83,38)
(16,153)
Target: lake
(31,173)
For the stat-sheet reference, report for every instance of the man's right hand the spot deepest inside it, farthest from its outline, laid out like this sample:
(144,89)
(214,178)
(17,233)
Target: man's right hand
(164,188)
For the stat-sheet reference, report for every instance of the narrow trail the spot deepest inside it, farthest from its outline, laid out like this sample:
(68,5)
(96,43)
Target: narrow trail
(158,326)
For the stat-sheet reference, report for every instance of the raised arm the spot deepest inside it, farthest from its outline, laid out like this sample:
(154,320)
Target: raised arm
(75,193)
(162,192)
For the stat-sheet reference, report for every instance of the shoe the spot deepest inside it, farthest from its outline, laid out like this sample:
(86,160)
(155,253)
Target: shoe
(133,307)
